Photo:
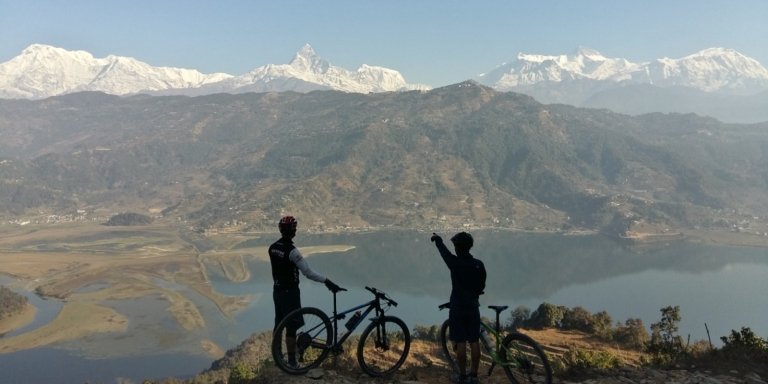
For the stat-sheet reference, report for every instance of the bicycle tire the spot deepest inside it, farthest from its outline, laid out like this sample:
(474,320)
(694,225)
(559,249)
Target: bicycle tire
(447,348)
(313,340)
(383,346)
(525,360)
(449,353)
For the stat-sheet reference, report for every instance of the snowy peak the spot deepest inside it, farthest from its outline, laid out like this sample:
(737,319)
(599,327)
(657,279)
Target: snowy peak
(43,71)
(307,60)
(584,63)
(710,70)
(308,71)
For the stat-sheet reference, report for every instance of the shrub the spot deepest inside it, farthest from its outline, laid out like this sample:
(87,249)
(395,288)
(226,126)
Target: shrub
(519,317)
(241,373)
(666,346)
(632,334)
(423,332)
(745,342)
(547,316)
(602,325)
(578,319)
(578,360)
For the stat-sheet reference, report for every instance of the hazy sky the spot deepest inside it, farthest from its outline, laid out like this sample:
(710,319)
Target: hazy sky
(434,42)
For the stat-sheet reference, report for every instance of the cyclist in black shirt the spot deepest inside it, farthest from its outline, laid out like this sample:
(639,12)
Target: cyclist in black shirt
(286,263)
(467,284)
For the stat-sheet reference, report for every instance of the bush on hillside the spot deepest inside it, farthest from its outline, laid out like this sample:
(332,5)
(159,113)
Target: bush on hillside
(632,334)
(547,316)
(422,332)
(746,343)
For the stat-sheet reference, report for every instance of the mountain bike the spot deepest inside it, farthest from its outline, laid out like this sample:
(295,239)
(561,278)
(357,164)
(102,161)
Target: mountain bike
(523,359)
(383,345)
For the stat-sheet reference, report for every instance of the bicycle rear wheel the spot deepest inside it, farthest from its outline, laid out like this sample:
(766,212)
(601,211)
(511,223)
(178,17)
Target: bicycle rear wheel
(311,345)
(383,346)
(524,360)
(449,349)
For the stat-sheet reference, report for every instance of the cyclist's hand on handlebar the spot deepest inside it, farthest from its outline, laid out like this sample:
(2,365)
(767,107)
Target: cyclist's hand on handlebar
(332,286)
(435,238)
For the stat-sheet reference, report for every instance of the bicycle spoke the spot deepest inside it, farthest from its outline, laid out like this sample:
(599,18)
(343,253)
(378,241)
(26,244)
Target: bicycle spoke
(310,345)
(524,360)
(383,346)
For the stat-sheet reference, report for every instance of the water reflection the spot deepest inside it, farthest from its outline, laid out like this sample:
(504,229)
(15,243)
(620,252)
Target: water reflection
(526,269)
(520,266)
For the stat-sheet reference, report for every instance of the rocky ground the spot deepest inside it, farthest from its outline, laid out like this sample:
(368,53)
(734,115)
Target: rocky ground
(426,366)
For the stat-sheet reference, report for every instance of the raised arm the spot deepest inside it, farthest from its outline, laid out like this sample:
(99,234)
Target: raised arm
(447,256)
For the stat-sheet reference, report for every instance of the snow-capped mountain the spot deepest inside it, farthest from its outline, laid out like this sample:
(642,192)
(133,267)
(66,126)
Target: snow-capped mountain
(308,71)
(710,70)
(716,82)
(42,71)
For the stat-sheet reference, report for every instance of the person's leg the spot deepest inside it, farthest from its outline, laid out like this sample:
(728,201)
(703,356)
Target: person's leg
(285,303)
(290,345)
(461,357)
(475,356)
(458,326)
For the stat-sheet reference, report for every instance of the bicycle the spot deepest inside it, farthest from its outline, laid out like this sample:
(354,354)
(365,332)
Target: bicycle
(523,359)
(383,345)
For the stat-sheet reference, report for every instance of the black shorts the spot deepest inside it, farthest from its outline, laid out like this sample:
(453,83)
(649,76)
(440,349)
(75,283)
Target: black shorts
(464,324)
(287,301)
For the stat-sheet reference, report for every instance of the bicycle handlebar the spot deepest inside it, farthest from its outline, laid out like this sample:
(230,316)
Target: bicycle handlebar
(381,295)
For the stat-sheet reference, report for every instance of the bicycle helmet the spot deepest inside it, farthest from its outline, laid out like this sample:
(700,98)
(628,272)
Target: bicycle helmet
(287,224)
(462,240)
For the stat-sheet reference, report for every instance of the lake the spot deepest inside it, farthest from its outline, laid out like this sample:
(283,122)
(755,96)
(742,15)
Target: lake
(720,286)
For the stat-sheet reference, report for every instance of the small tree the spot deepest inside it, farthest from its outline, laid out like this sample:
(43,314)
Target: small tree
(632,333)
(519,317)
(602,325)
(423,332)
(579,319)
(547,316)
(665,343)
(745,342)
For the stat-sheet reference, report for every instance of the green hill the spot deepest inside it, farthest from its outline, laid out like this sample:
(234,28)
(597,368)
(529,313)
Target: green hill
(454,156)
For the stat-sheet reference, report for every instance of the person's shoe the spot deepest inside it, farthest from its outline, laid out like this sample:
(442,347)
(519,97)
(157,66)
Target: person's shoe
(472,379)
(458,378)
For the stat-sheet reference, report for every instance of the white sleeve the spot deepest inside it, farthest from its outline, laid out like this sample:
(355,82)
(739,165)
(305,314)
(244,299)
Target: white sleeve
(296,258)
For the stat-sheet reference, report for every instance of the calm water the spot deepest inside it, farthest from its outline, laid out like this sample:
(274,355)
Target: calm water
(723,287)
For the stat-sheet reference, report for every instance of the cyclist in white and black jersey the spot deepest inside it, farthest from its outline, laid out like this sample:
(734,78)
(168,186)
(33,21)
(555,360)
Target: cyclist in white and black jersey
(286,263)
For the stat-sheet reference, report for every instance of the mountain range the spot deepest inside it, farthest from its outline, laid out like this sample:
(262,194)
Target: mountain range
(715,82)
(42,71)
(455,156)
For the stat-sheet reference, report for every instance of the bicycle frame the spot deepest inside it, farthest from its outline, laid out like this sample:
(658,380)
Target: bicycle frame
(373,305)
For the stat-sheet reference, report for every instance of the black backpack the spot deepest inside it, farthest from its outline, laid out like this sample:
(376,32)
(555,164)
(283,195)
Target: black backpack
(475,277)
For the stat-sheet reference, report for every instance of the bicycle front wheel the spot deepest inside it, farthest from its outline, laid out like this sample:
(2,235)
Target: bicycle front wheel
(524,360)
(383,346)
(311,344)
